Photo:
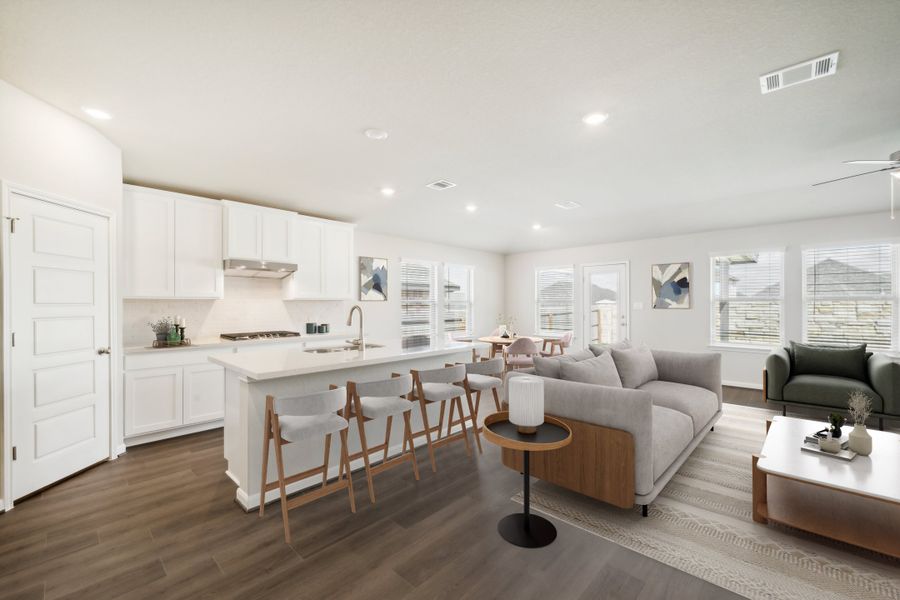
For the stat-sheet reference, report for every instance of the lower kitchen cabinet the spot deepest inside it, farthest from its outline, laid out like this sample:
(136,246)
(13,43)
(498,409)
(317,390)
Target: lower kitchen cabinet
(204,393)
(153,400)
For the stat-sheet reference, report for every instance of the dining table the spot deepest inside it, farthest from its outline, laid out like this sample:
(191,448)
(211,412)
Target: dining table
(497,342)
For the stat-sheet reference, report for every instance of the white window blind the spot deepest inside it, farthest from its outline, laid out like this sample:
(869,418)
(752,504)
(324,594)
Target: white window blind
(458,300)
(418,306)
(747,298)
(555,299)
(849,295)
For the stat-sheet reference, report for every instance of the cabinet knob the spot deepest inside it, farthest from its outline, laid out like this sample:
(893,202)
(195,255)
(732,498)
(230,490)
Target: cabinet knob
(106,350)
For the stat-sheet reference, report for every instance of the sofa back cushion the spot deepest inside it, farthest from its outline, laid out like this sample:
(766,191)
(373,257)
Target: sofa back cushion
(836,361)
(549,366)
(635,366)
(579,354)
(598,349)
(600,370)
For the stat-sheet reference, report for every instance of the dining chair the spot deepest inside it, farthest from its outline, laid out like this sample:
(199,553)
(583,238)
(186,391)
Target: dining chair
(561,343)
(520,354)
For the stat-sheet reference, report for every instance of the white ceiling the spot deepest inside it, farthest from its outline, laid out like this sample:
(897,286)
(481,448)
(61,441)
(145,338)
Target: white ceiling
(267,101)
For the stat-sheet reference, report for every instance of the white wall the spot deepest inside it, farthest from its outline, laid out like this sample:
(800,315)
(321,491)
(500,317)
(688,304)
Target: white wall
(256,304)
(45,149)
(689,329)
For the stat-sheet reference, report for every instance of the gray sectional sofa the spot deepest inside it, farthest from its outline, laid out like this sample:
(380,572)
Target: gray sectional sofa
(631,436)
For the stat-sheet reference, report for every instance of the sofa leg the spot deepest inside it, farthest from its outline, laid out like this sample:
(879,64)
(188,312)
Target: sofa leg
(713,428)
(880,423)
(643,510)
(784,410)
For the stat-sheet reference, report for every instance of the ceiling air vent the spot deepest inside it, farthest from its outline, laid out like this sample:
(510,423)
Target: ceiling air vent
(441,184)
(567,204)
(801,73)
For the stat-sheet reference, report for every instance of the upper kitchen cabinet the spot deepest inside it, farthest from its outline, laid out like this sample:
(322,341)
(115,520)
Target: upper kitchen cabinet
(258,233)
(172,245)
(325,265)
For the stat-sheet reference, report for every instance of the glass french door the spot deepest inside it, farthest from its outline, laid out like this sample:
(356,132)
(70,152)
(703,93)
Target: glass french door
(605,303)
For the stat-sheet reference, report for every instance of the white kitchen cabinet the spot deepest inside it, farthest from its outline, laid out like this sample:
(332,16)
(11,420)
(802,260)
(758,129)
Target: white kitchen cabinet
(173,245)
(258,233)
(325,266)
(153,400)
(204,393)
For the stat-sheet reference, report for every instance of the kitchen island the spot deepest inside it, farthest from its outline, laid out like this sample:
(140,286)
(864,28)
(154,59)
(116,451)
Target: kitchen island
(283,372)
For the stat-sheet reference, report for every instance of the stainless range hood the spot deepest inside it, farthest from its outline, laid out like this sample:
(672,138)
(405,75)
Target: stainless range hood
(258,268)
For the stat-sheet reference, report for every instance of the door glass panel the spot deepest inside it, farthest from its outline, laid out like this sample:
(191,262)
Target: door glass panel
(604,307)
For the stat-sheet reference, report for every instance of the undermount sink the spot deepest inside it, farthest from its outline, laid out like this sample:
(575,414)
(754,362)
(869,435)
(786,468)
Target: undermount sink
(346,348)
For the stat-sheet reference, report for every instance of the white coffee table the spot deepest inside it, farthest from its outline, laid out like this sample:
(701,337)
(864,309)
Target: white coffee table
(857,502)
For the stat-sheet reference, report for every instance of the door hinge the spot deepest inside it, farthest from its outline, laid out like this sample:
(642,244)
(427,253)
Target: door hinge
(13,339)
(14,453)
(12,224)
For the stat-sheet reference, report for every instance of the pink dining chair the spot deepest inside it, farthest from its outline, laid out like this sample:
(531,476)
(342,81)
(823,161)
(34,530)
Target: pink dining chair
(564,341)
(520,354)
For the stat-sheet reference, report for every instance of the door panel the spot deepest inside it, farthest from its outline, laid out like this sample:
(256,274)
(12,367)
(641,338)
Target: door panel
(277,242)
(149,228)
(306,282)
(244,231)
(338,269)
(605,320)
(59,307)
(204,393)
(153,400)
(198,250)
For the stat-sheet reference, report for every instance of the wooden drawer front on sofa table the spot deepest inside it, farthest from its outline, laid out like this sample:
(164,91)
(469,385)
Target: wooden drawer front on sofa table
(598,463)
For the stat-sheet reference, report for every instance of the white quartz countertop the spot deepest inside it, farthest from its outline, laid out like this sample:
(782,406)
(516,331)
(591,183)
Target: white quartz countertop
(274,363)
(217,342)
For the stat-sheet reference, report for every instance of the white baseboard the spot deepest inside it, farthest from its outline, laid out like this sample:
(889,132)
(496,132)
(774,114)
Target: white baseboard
(170,433)
(743,384)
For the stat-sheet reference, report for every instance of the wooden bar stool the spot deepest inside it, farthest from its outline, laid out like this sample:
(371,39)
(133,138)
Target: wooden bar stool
(383,399)
(299,419)
(441,385)
(481,376)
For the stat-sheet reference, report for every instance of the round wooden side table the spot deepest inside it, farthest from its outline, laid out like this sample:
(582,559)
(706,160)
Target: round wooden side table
(525,529)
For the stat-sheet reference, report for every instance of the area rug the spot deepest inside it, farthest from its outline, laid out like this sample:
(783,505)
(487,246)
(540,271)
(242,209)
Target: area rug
(701,524)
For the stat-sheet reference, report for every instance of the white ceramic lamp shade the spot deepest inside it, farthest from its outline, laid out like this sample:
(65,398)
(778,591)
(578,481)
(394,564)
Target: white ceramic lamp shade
(526,403)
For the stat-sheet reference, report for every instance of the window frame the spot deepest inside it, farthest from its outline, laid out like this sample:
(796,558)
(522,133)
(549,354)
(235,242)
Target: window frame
(470,301)
(713,302)
(537,304)
(435,302)
(895,287)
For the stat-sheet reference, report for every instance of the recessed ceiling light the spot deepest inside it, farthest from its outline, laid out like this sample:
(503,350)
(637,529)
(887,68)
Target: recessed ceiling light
(536,226)
(471,207)
(595,118)
(96,113)
(386,191)
(567,204)
(376,134)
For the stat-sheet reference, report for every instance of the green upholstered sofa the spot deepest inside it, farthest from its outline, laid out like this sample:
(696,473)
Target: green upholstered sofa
(827,384)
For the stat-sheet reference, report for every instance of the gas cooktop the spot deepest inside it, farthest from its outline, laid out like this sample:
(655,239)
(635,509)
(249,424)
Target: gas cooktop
(258,335)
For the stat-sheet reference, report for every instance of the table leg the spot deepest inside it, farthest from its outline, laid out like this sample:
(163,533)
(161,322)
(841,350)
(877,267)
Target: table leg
(525,529)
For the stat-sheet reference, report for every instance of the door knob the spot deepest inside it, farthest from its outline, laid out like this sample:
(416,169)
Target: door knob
(106,350)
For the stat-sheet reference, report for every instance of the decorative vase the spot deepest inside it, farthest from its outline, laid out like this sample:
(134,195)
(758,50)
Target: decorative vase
(161,337)
(830,444)
(860,441)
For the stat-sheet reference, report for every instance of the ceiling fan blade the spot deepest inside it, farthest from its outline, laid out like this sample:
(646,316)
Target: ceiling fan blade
(858,175)
(872,162)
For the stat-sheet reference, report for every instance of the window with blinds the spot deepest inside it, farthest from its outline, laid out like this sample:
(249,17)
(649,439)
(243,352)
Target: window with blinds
(748,299)
(849,295)
(555,299)
(457,300)
(418,304)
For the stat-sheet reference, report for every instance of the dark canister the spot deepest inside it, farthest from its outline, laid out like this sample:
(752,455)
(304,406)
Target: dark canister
(311,327)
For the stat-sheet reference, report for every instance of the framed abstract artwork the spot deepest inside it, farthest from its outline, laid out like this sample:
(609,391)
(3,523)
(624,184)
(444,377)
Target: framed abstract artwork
(373,278)
(671,285)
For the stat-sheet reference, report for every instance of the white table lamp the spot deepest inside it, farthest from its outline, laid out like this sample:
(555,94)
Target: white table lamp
(526,403)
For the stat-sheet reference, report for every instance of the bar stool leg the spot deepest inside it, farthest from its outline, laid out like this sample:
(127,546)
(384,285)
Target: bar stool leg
(462,422)
(440,427)
(450,421)
(473,414)
(496,398)
(284,508)
(427,430)
(345,459)
(267,435)
(387,436)
(365,448)
(407,438)
(325,460)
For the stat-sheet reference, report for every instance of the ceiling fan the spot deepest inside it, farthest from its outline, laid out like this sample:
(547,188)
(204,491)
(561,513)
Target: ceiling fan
(891,164)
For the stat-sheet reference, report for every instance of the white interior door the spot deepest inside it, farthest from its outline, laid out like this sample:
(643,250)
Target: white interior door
(59,315)
(606,303)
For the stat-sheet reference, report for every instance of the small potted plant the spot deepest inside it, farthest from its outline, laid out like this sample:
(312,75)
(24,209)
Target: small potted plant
(831,442)
(860,406)
(836,421)
(161,328)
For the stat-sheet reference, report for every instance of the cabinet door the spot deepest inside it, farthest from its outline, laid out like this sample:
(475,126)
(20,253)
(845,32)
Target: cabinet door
(307,281)
(149,243)
(277,236)
(204,393)
(153,400)
(338,263)
(198,249)
(243,231)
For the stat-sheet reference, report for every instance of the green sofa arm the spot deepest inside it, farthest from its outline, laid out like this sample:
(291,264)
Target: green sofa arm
(778,371)
(884,375)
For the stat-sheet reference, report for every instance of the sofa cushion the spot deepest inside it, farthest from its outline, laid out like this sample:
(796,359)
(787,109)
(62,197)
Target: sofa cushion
(698,403)
(836,361)
(599,349)
(546,366)
(824,390)
(635,365)
(600,370)
(672,432)
(580,354)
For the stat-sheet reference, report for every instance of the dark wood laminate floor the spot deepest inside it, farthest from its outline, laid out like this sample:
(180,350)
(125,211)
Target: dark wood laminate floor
(160,522)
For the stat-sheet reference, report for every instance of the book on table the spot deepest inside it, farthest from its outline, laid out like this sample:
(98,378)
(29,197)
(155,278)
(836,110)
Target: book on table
(813,439)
